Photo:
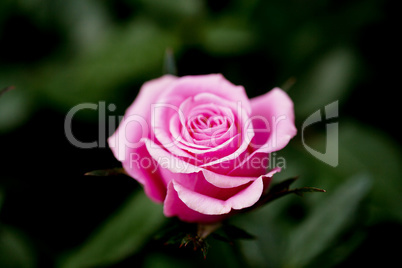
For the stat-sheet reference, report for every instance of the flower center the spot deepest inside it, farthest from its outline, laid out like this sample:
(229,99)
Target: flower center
(205,123)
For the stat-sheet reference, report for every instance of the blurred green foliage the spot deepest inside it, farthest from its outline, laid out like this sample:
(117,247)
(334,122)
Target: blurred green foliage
(61,53)
(123,234)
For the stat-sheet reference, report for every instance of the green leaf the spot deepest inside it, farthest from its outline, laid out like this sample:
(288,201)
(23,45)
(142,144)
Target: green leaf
(327,81)
(362,149)
(229,35)
(15,107)
(283,185)
(233,232)
(343,247)
(157,259)
(128,54)
(123,234)
(328,219)
(15,249)
(282,189)
(369,149)
(271,196)
(222,238)
(4,90)
(266,250)
(301,191)
(90,24)
(174,9)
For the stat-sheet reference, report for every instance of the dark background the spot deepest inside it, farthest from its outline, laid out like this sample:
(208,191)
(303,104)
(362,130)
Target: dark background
(60,54)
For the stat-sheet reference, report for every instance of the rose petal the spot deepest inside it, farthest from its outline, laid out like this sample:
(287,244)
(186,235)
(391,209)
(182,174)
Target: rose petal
(191,206)
(197,182)
(135,124)
(216,84)
(212,206)
(166,160)
(273,120)
(142,167)
(224,181)
(247,134)
(252,164)
(184,138)
(171,129)
(173,206)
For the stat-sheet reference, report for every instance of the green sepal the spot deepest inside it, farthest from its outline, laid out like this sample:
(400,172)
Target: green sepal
(282,189)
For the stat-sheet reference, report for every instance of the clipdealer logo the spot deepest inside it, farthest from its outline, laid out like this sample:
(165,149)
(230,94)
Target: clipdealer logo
(331,155)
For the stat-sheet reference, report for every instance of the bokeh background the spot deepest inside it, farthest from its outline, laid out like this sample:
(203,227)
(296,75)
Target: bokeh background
(59,54)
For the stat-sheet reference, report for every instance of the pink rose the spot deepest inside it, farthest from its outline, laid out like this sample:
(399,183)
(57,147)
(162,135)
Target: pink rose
(200,146)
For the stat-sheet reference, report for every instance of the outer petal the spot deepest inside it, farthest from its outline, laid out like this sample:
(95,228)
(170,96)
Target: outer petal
(136,122)
(190,205)
(173,206)
(211,206)
(273,121)
(142,167)
(252,164)
(175,167)
(127,143)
